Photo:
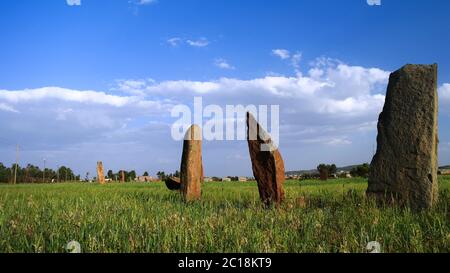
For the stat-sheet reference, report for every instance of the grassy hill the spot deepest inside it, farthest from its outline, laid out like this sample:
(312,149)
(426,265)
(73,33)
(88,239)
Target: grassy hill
(345,169)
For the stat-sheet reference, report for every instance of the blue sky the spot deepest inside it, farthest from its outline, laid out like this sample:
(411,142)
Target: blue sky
(149,55)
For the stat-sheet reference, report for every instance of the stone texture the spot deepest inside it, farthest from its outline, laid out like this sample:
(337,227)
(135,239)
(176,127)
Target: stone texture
(404,168)
(268,166)
(191,164)
(100,173)
(173,183)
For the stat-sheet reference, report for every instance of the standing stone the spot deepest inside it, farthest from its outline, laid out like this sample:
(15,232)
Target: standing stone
(404,168)
(267,164)
(122,177)
(100,174)
(191,164)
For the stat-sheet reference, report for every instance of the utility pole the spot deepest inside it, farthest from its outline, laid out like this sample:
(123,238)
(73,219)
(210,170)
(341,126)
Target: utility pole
(43,173)
(17,162)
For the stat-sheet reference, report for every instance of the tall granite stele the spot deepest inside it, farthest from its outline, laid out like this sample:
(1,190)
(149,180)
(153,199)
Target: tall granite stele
(191,173)
(267,163)
(100,173)
(404,168)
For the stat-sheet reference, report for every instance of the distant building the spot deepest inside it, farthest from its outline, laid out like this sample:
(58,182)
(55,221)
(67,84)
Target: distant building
(292,177)
(226,179)
(444,171)
(242,179)
(146,179)
(208,179)
(344,174)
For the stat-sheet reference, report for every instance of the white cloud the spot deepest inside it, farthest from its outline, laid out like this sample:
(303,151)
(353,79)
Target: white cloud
(145,2)
(223,64)
(444,91)
(336,89)
(175,41)
(54,120)
(7,108)
(374,2)
(331,141)
(202,42)
(444,98)
(133,87)
(295,60)
(281,53)
(73,2)
(63,94)
(334,104)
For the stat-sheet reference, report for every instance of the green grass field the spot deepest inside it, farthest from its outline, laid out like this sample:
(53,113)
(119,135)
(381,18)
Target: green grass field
(331,216)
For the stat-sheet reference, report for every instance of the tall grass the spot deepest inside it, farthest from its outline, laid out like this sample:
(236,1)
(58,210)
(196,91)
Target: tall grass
(331,216)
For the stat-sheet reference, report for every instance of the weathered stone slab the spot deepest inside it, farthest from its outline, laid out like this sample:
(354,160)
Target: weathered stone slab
(404,168)
(191,164)
(100,173)
(267,163)
(173,183)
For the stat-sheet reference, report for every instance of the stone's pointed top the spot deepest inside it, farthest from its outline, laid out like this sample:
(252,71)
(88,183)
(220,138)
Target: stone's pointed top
(267,164)
(256,132)
(194,133)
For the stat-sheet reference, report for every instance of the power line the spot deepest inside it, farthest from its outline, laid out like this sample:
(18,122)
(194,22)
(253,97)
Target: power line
(17,163)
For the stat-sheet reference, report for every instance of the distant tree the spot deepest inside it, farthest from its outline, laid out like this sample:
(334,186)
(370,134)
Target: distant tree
(3,173)
(132,175)
(146,174)
(161,175)
(323,171)
(332,169)
(110,174)
(63,174)
(32,174)
(326,170)
(361,170)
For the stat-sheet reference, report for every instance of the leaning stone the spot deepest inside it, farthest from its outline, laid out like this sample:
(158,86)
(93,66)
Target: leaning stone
(173,183)
(191,164)
(267,163)
(404,168)
(100,174)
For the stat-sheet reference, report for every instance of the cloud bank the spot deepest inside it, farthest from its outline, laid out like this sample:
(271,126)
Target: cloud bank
(329,112)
